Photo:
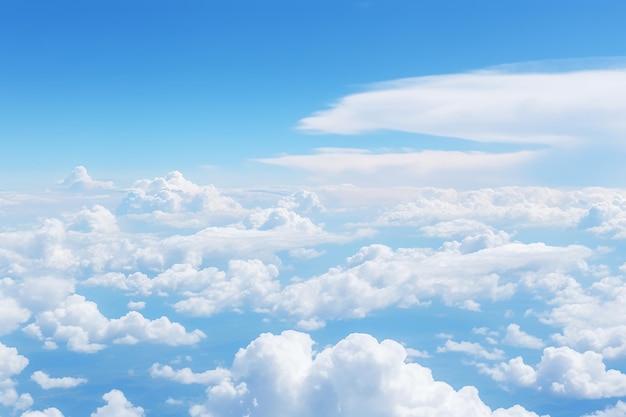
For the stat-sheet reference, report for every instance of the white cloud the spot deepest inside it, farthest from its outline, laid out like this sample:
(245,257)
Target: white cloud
(454,228)
(187,376)
(592,319)
(136,305)
(46,382)
(581,375)
(176,201)
(247,283)
(473,349)
(510,206)
(280,375)
(12,364)
(618,410)
(80,324)
(117,406)
(486,266)
(515,371)
(411,167)
(564,372)
(48,412)
(80,180)
(12,313)
(517,337)
(489,106)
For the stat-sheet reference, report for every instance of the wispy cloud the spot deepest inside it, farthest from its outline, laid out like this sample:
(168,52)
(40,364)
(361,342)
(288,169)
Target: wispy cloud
(552,108)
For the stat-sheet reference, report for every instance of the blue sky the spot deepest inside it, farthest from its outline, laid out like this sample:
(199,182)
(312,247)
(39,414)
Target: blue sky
(158,84)
(350,208)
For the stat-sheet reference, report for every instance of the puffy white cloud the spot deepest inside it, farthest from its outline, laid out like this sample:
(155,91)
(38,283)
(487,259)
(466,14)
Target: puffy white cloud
(473,349)
(552,108)
(248,283)
(517,337)
(48,412)
(46,382)
(136,305)
(80,180)
(481,267)
(562,371)
(280,375)
(12,364)
(303,201)
(510,206)
(117,406)
(176,201)
(187,376)
(12,313)
(618,410)
(80,324)
(583,375)
(515,372)
(592,319)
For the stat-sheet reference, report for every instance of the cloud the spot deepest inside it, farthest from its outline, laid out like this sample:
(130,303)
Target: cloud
(618,410)
(12,313)
(280,375)
(187,376)
(510,206)
(80,324)
(48,412)
(117,406)
(585,321)
(582,375)
(429,167)
(515,372)
(481,267)
(12,364)
(564,372)
(517,337)
(80,180)
(46,382)
(556,108)
(176,201)
(473,349)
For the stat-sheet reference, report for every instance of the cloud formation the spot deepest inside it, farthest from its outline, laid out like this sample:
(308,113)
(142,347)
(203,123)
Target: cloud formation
(280,375)
(46,382)
(555,108)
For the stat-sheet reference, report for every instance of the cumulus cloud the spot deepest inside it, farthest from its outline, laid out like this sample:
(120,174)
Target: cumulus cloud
(176,201)
(79,324)
(515,336)
(12,313)
(117,406)
(46,382)
(564,372)
(585,321)
(511,206)
(515,372)
(480,267)
(11,365)
(80,180)
(280,375)
(618,410)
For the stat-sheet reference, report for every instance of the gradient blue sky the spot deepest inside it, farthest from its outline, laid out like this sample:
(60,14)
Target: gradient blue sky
(182,178)
(144,86)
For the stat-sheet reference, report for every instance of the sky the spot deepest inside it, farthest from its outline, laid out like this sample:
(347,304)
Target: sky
(314,208)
